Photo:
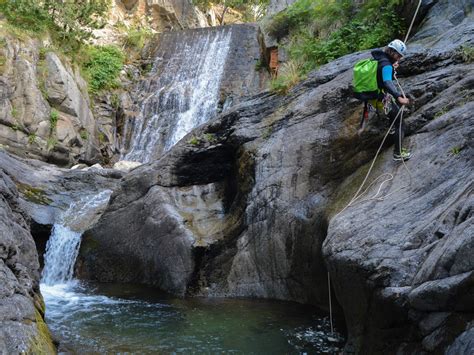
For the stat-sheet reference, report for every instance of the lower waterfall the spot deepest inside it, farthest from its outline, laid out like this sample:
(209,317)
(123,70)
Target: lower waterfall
(63,245)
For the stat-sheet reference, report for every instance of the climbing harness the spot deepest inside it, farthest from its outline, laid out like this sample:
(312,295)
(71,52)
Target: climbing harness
(388,176)
(387,102)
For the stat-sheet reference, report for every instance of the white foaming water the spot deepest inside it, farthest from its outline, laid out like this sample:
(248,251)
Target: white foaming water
(61,253)
(73,296)
(186,94)
(63,245)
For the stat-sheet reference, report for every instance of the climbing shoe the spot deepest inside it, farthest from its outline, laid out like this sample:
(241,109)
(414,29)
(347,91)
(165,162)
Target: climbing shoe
(405,155)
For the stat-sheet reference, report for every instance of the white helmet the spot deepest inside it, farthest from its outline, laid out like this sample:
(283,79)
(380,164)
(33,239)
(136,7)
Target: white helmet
(398,46)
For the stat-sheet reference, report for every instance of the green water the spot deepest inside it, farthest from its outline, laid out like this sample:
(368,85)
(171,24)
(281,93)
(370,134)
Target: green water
(130,319)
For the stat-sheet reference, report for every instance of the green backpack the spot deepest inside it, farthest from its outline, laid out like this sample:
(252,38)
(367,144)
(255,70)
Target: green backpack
(365,79)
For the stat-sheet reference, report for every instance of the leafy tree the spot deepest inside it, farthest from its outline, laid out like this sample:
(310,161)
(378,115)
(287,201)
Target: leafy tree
(70,21)
(242,5)
(26,14)
(76,18)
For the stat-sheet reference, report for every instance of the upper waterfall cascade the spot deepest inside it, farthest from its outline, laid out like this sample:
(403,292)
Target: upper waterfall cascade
(183,92)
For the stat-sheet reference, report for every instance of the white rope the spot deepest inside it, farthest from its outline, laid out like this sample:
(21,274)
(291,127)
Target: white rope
(412,21)
(330,304)
(388,176)
(357,195)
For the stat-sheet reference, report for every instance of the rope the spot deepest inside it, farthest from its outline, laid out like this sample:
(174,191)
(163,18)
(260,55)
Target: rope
(387,176)
(412,21)
(357,195)
(330,304)
(390,176)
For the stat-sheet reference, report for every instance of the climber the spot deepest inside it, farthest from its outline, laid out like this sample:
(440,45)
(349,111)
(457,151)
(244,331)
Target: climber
(373,84)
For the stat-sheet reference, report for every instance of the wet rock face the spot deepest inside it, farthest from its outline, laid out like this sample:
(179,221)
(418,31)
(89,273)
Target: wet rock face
(271,174)
(168,250)
(267,240)
(44,110)
(46,190)
(407,260)
(20,300)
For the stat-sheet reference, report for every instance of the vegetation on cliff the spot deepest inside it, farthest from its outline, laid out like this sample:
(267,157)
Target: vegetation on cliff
(320,31)
(69,24)
(102,65)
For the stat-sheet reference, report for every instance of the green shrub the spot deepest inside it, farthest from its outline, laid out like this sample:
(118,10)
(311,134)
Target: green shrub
(455,150)
(83,134)
(467,53)
(31,138)
(102,138)
(289,75)
(53,118)
(210,137)
(136,38)
(28,15)
(102,66)
(69,22)
(115,101)
(51,143)
(3,61)
(261,65)
(194,141)
(43,51)
(279,26)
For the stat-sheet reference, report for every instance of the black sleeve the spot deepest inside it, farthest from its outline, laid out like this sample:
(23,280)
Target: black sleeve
(390,86)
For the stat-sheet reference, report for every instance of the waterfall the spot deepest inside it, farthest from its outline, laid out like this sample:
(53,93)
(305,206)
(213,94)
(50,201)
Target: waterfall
(63,245)
(183,91)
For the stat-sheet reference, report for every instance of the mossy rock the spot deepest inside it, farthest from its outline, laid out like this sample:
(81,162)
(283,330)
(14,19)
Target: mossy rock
(42,343)
(33,194)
